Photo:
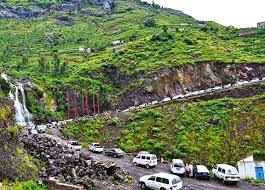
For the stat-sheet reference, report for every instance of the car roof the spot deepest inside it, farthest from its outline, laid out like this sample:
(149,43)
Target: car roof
(177,161)
(226,166)
(144,154)
(166,175)
(116,148)
(201,167)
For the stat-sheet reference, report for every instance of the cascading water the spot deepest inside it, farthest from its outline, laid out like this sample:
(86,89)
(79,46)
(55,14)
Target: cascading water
(23,116)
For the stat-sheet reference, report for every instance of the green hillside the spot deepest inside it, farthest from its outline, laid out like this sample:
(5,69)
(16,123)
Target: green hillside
(45,48)
(223,130)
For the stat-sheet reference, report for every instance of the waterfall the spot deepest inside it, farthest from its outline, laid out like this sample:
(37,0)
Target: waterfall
(23,116)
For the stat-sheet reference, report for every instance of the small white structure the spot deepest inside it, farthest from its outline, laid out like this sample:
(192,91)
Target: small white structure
(261,25)
(184,24)
(88,50)
(181,29)
(117,43)
(81,50)
(248,168)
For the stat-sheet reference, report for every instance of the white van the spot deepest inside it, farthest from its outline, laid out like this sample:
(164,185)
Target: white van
(177,167)
(147,160)
(226,173)
(161,181)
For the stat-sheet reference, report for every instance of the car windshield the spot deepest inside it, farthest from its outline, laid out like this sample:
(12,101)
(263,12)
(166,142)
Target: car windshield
(232,172)
(153,158)
(178,165)
(97,145)
(176,181)
(74,143)
(118,150)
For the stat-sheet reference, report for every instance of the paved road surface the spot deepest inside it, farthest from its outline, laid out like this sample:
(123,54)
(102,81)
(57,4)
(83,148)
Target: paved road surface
(190,184)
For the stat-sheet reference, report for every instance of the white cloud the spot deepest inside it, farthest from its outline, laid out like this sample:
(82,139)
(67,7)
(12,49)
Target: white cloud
(240,13)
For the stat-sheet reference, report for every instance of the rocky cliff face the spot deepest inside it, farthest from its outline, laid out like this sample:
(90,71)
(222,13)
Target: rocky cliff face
(171,82)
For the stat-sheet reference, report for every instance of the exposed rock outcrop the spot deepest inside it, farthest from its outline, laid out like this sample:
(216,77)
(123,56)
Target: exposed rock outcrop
(68,166)
(171,82)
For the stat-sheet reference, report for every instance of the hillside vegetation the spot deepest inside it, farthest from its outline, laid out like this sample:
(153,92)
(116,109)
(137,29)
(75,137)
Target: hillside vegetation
(45,49)
(208,132)
(16,164)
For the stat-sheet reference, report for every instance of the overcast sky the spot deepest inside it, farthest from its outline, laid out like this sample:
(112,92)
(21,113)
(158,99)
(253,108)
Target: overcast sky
(239,13)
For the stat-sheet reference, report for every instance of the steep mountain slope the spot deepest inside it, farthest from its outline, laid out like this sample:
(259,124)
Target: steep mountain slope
(44,46)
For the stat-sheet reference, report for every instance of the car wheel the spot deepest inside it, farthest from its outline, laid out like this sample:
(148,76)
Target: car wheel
(223,181)
(135,164)
(147,166)
(114,155)
(142,185)
(162,188)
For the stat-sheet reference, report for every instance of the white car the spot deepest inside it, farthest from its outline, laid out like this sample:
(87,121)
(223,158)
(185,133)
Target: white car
(143,152)
(74,145)
(201,172)
(96,147)
(178,96)
(154,102)
(147,160)
(177,167)
(166,99)
(226,173)
(33,132)
(41,128)
(254,80)
(161,181)
(227,86)
(217,88)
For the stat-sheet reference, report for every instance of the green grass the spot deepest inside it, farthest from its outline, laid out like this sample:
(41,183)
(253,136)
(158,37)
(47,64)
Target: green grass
(138,56)
(216,131)
(29,185)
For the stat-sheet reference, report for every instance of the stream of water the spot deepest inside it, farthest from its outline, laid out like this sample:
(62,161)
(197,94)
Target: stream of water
(23,116)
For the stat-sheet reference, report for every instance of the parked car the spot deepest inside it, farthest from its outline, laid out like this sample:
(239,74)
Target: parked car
(177,167)
(147,160)
(96,147)
(115,152)
(41,128)
(74,145)
(161,181)
(201,172)
(226,173)
(33,132)
(144,152)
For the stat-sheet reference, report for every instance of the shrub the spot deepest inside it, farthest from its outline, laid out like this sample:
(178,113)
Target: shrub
(150,23)
(4,86)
